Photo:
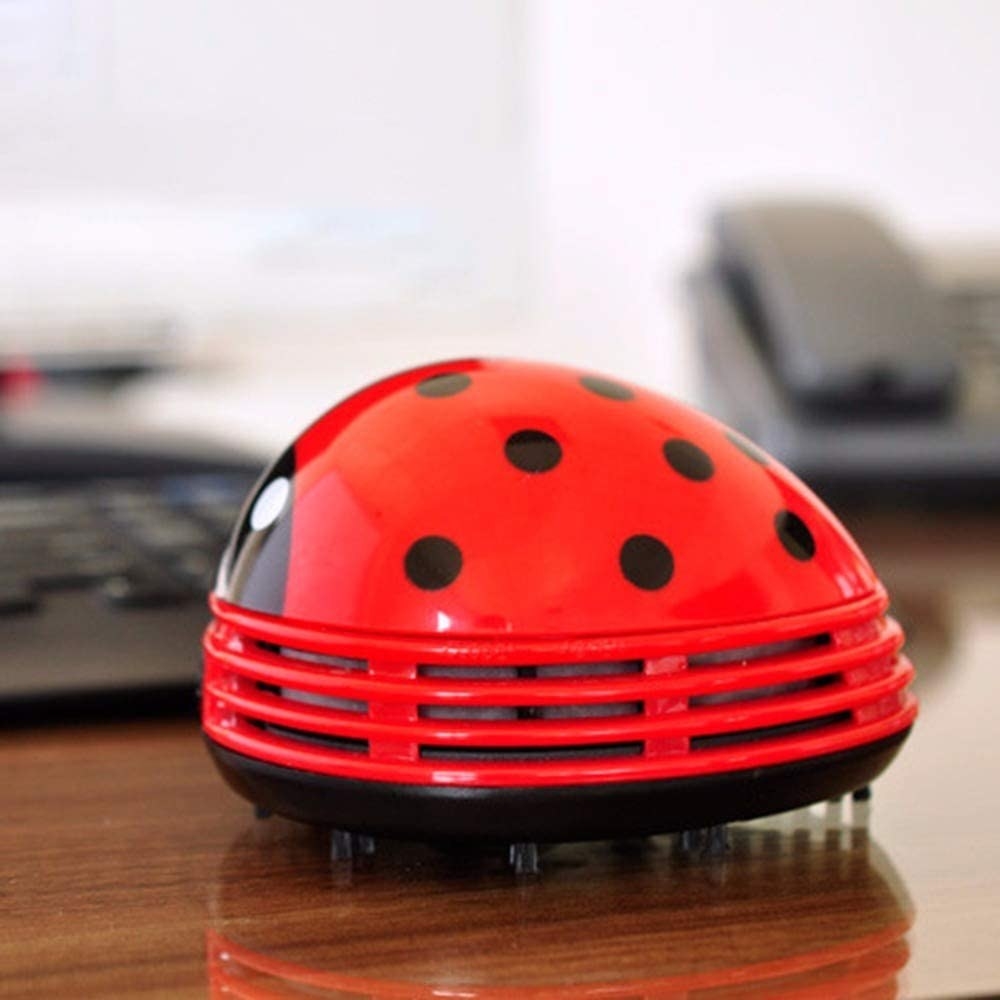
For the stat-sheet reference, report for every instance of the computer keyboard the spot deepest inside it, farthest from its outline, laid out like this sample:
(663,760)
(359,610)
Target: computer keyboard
(102,589)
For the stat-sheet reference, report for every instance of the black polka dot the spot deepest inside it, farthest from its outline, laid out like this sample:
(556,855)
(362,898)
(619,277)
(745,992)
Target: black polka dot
(747,447)
(795,535)
(606,387)
(446,384)
(433,562)
(688,459)
(646,562)
(532,451)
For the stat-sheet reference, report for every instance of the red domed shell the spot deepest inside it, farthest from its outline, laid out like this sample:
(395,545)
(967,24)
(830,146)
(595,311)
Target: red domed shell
(506,498)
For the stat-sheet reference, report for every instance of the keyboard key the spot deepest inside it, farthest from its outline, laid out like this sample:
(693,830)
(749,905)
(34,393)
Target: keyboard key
(132,590)
(101,565)
(59,574)
(196,567)
(142,543)
(221,518)
(76,543)
(42,509)
(169,535)
(16,597)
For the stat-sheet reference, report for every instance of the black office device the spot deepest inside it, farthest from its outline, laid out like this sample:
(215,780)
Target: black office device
(107,553)
(822,339)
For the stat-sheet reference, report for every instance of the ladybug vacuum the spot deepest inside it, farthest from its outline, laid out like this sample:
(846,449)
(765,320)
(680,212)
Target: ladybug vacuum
(507,601)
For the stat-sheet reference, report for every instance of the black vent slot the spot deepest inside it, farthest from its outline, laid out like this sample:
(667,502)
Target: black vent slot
(467,673)
(769,732)
(527,754)
(499,713)
(470,713)
(770,691)
(311,698)
(747,654)
(610,668)
(342,743)
(607,668)
(320,659)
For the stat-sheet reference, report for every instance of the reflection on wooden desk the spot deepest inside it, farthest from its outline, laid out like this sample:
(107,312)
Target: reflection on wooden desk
(814,911)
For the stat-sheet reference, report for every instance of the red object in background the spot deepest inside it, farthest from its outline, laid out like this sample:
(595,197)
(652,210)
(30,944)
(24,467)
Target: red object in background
(20,382)
(513,600)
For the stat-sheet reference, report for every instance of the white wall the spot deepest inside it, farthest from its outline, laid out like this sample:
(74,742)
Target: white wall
(258,158)
(648,112)
(260,154)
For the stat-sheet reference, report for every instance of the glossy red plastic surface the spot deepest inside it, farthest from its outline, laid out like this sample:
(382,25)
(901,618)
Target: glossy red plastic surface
(540,551)
(535,642)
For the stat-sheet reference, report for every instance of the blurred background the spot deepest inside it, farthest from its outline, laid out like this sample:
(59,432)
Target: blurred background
(288,199)
(217,218)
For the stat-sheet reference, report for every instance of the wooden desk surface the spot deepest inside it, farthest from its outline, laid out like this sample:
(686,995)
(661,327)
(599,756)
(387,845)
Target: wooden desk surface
(127,868)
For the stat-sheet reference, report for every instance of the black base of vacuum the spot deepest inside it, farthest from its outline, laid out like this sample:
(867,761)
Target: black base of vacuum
(551,813)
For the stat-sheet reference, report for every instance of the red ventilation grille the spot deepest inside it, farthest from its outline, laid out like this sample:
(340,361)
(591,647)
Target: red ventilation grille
(505,724)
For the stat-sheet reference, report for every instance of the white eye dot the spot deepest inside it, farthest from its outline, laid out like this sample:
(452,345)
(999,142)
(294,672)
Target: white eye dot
(269,504)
